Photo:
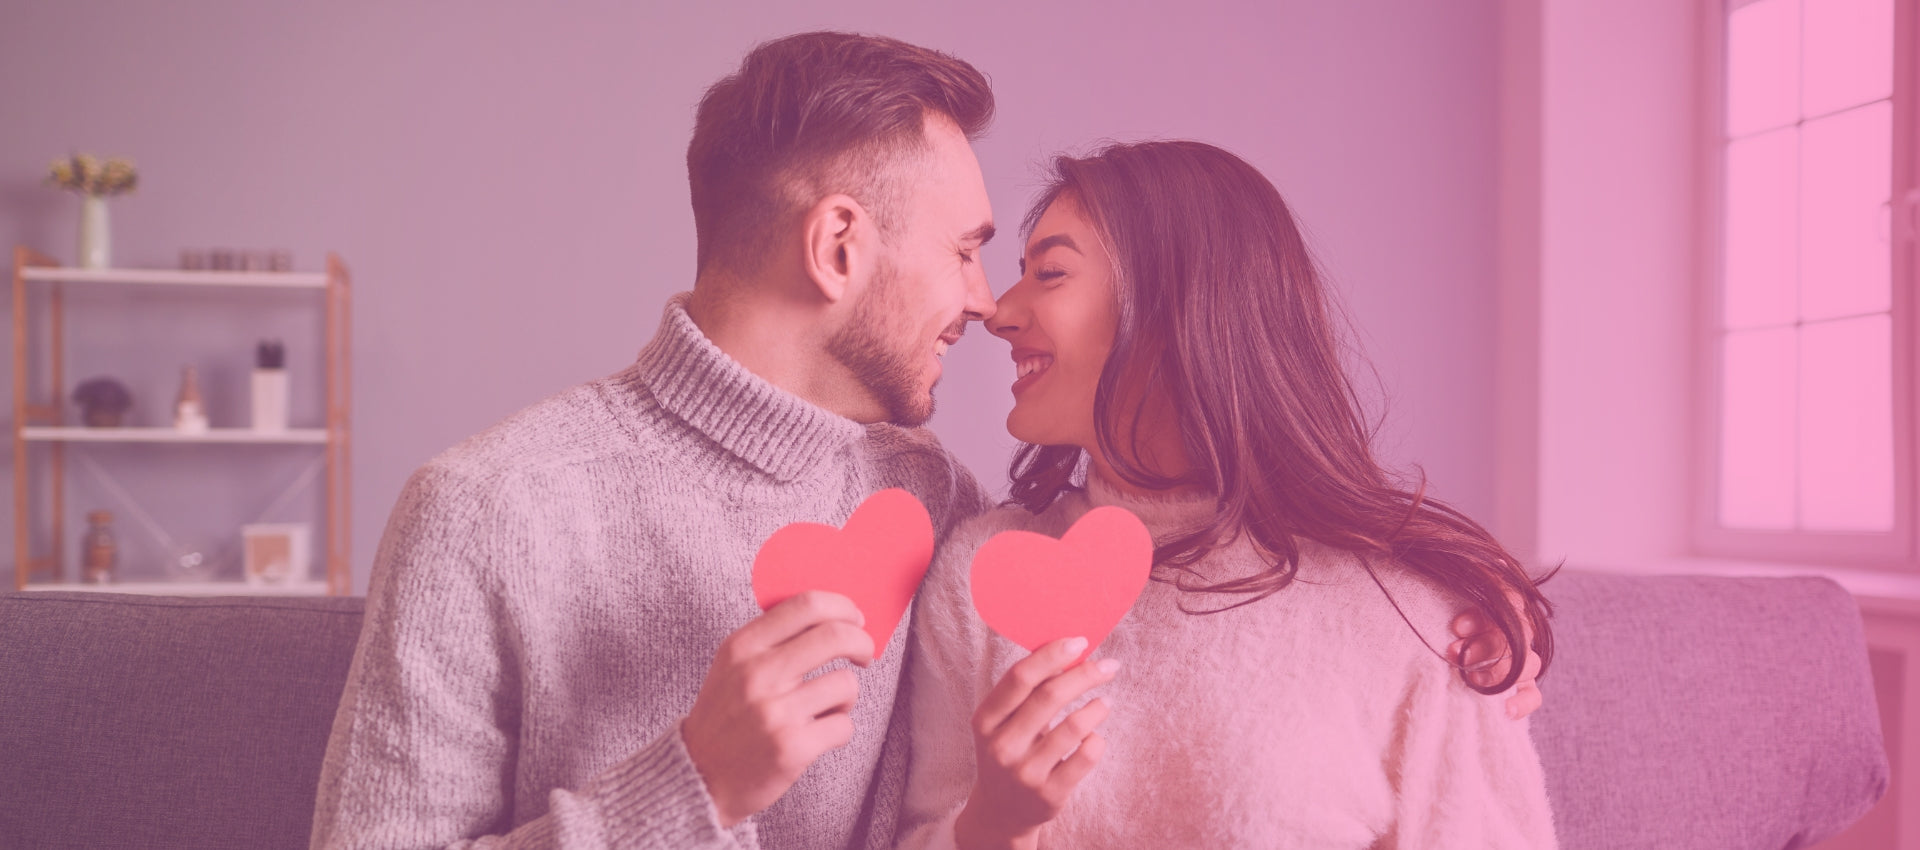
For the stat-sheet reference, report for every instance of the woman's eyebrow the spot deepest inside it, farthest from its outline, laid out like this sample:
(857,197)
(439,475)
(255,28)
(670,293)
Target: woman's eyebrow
(1060,239)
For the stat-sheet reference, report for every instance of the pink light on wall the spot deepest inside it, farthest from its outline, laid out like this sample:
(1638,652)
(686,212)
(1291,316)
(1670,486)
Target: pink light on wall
(1806,395)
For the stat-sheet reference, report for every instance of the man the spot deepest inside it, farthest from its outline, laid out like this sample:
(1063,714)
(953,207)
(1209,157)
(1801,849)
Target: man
(561,646)
(549,595)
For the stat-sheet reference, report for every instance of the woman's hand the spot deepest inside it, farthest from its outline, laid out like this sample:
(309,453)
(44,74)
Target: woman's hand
(1026,771)
(1483,653)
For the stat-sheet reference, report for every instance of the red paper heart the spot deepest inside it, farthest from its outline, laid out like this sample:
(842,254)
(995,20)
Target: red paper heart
(1034,590)
(877,560)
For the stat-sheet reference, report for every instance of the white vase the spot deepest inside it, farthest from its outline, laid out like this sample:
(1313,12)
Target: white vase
(96,244)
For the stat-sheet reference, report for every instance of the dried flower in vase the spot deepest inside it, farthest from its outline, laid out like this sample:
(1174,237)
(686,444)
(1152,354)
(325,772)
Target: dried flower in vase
(88,175)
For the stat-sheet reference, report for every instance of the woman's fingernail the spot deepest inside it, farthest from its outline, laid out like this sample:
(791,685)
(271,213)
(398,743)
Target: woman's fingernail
(1075,646)
(1109,665)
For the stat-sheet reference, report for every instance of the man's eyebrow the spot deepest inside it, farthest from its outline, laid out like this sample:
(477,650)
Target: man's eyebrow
(1060,239)
(983,234)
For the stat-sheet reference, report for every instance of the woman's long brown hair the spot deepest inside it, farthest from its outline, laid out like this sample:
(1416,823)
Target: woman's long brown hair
(1224,314)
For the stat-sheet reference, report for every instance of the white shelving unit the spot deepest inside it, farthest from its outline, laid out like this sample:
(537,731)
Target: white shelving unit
(168,277)
(188,588)
(169,435)
(42,426)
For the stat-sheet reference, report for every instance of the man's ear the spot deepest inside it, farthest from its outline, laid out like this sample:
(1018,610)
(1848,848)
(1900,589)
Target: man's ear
(839,235)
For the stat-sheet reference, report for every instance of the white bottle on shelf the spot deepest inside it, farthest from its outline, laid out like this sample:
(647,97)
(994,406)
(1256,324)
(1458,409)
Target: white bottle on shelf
(271,396)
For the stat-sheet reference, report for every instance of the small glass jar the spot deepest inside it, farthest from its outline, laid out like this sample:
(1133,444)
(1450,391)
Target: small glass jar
(99,552)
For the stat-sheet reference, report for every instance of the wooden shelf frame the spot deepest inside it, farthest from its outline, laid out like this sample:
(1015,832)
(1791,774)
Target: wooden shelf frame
(44,423)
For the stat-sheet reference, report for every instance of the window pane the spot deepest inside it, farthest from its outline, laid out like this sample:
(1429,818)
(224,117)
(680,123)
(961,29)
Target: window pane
(1846,178)
(1846,425)
(1756,429)
(1763,66)
(1762,229)
(1849,54)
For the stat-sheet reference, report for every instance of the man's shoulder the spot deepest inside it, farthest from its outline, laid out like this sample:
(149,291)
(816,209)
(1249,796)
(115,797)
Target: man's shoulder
(913,458)
(576,426)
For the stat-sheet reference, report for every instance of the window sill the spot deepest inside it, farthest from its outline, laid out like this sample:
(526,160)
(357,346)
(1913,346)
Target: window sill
(1879,591)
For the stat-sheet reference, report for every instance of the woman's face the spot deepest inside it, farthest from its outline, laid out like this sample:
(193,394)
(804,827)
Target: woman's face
(1060,318)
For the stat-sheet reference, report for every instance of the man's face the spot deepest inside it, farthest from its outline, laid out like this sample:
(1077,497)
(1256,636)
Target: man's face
(926,285)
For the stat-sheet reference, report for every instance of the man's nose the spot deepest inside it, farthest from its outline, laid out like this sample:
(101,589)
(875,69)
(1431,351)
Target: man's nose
(980,306)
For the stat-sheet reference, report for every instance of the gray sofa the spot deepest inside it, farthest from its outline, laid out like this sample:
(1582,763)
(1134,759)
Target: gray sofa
(1681,713)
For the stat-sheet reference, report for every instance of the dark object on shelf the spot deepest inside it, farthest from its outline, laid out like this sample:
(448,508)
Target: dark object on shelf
(270,354)
(103,401)
(98,550)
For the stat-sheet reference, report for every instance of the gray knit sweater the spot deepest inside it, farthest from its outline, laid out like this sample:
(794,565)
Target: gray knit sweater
(548,597)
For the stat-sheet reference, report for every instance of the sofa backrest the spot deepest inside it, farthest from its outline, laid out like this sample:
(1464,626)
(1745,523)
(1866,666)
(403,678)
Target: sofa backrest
(140,721)
(1698,712)
(1701,713)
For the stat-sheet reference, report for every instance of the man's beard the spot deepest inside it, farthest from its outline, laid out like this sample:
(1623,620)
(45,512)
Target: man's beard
(868,345)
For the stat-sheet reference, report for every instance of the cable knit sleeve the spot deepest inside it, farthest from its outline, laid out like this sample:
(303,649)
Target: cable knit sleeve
(950,655)
(1464,775)
(424,741)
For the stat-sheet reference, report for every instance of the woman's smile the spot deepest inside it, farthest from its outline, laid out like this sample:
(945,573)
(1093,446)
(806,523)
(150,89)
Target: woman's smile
(1028,365)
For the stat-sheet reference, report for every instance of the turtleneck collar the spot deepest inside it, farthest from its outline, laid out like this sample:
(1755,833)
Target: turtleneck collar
(1164,512)
(776,431)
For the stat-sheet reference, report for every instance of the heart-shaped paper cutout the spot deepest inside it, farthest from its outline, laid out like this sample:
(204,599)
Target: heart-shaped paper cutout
(1034,590)
(877,560)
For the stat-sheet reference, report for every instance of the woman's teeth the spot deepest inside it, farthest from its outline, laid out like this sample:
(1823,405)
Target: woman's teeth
(1031,365)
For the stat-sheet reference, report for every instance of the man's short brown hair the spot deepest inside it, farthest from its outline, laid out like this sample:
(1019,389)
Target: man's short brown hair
(811,115)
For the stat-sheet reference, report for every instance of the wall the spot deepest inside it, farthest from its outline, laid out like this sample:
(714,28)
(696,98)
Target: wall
(506,181)
(1599,116)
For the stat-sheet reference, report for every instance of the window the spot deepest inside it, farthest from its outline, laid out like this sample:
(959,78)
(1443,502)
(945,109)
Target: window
(1810,342)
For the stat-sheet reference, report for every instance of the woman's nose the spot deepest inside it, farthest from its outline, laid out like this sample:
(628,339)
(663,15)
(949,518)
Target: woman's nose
(1007,314)
(1001,324)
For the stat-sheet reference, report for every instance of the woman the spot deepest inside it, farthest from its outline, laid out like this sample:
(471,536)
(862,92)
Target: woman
(1279,683)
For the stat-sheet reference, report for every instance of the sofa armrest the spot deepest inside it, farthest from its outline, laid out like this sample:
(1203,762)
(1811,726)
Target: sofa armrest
(1706,712)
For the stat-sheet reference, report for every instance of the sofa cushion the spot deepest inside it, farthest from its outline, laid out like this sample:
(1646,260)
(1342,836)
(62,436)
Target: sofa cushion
(164,721)
(1706,713)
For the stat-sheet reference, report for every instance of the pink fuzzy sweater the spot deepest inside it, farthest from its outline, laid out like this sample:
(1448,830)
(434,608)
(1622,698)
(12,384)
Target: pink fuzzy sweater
(1315,718)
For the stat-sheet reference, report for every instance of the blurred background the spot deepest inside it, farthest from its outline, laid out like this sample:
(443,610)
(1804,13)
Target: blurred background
(507,185)
(1521,204)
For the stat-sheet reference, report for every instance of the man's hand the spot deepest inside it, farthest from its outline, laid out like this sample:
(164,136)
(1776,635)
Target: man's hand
(756,724)
(1025,771)
(1487,657)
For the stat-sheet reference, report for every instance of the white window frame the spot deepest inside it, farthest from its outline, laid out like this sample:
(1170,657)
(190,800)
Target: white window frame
(1895,549)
